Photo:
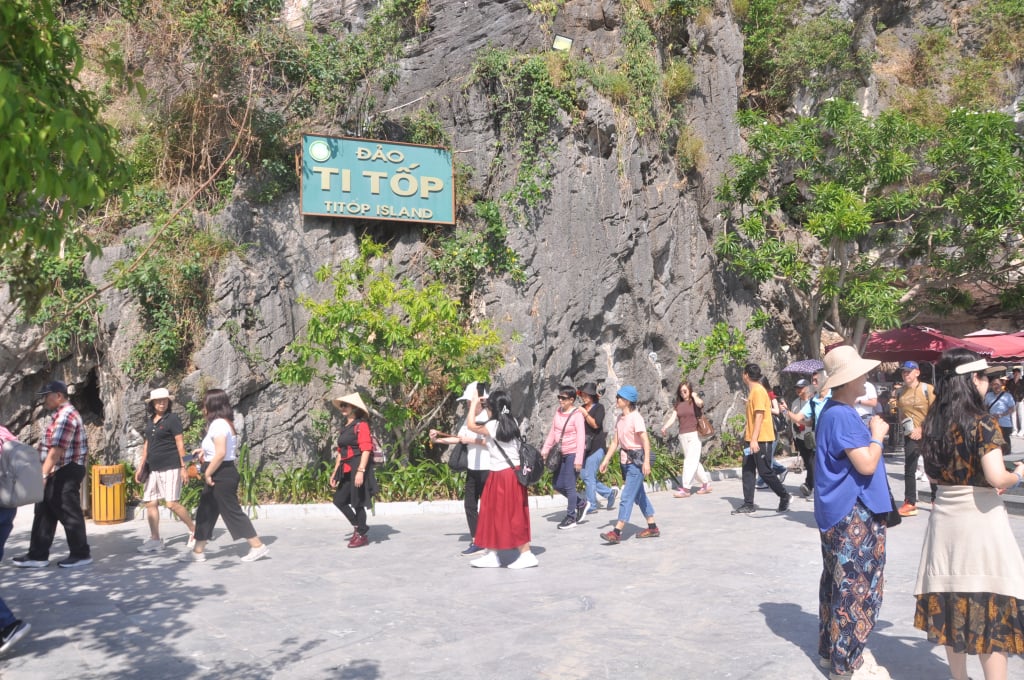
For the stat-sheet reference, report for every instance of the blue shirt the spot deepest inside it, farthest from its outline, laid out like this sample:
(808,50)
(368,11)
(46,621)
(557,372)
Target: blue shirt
(1001,407)
(837,484)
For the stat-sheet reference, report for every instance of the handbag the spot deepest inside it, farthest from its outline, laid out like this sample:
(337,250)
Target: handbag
(704,426)
(531,463)
(458,459)
(21,475)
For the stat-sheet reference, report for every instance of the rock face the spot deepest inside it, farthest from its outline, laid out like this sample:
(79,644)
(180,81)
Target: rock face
(617,256)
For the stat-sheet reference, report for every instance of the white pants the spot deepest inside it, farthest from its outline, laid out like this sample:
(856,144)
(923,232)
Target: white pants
(690,442)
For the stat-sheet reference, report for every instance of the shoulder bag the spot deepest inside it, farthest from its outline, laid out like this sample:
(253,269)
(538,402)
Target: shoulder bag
(458,459)
(21,475)
(704,426)
(554,459)
(531,464)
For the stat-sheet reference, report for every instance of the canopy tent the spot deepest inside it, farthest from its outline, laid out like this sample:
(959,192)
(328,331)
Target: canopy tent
(916,343)
(1003,347)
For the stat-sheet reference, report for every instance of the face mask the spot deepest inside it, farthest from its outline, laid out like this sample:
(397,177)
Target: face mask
(481,417)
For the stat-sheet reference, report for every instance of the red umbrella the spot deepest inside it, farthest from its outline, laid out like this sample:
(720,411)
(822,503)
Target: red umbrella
(916,343)
(1004,347)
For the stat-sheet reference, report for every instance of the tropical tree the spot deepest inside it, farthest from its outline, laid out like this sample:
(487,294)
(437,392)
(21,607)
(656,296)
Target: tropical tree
(864,221)
(414,343)
(57,158)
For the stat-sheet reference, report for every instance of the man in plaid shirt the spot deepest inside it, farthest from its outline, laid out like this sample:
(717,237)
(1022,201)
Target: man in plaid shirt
(63,450)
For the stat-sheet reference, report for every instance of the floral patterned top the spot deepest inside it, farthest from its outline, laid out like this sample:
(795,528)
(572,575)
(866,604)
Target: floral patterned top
(965,468)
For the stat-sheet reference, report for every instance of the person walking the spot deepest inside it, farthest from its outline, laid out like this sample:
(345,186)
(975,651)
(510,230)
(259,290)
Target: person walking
(163,452)
(353,478)
(759,436)
(568,432)
(970,580)
(64,449)
(477,460)
(1015,385)
(803,416)
(1000,404)
(12,628)
(851,500)
(593,417)
(689,407)
(219,497)
(913,402)
(504,510)
(631,441)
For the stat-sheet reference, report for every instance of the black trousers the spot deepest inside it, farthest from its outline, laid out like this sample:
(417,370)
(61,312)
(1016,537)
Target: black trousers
(475,480)
(759,464)
(807,456)
(355,514)
(911,454)
(221,500)
(62,502)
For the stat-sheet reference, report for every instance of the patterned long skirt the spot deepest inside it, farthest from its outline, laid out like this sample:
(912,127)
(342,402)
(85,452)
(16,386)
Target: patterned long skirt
(850,591)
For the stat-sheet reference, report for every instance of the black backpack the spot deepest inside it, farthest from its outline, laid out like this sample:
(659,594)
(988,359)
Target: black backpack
(531,463)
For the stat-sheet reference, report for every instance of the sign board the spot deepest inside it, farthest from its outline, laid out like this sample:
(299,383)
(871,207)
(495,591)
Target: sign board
(373,180)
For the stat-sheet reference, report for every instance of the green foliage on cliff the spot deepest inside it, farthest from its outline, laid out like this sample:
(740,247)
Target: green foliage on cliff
(412,341)
(863,221)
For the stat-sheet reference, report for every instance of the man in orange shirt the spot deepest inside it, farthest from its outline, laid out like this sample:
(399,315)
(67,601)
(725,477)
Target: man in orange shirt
(913,402)
(760,439)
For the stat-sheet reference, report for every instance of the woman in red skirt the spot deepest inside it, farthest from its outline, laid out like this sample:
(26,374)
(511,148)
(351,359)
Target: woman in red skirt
(504,521)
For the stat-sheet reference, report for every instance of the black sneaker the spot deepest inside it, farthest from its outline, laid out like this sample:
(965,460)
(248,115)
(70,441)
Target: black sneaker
(581,510)
(568,523)
(784,502)
(74,562)
(12,633)
(27,562)
(745,509)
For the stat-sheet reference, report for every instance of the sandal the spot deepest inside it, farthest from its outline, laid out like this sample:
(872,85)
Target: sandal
(683,493)
(704,488)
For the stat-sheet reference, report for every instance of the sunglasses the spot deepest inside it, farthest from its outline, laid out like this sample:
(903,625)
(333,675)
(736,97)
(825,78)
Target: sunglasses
(563,397)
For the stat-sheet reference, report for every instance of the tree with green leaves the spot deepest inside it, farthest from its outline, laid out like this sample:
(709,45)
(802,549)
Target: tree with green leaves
(413,341)
(864,221)
(57,158)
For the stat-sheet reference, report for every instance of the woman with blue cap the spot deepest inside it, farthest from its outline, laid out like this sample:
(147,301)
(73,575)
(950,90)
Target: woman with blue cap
(630,438)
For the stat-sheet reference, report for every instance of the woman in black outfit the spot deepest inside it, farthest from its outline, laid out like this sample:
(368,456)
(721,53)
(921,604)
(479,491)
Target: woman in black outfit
(353,476)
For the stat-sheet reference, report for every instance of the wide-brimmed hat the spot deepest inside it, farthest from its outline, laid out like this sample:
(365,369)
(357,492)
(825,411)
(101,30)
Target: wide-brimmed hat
(591,389)
(159,393)
(473,390)
(844,364)
(352,399)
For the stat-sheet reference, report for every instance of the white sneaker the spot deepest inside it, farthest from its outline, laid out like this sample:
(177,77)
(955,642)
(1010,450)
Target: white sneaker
(191,541)
(489,560)
(524,561)
(256,553)
(152,545)
(192,556)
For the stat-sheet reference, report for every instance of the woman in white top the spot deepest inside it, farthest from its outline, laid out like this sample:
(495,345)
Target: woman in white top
(220,493)
(504,521)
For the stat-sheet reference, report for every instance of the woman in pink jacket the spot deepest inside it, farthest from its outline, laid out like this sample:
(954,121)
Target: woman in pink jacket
(568,430)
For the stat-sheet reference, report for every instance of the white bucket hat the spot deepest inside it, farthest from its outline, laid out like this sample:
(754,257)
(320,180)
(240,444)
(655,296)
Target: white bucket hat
(844,364)
(160,393)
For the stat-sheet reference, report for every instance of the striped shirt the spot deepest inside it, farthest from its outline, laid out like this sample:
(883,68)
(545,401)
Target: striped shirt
(66,431)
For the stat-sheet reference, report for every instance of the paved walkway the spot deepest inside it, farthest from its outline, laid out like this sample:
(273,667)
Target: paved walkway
(717,596)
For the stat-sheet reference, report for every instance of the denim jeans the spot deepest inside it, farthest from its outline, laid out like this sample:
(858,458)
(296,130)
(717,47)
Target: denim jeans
(633,492)
(6,524)
(593,485)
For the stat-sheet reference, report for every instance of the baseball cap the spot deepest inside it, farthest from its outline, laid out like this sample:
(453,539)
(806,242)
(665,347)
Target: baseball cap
(802,383)
(629,393)
(54,386)
(472,389)
(909,365)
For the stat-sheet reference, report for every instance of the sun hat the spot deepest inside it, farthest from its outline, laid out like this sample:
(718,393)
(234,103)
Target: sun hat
(352,399)
(54,386)
(979,365)
(629,393)
(472,390)
(909,366)
(844,364)
(591,389)
(159,393)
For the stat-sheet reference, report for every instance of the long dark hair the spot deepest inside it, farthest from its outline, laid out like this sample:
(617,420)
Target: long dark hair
(679,389)
(218,405)
(500,406)
(957,406)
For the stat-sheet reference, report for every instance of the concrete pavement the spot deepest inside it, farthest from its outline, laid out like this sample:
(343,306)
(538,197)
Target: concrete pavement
(717,596)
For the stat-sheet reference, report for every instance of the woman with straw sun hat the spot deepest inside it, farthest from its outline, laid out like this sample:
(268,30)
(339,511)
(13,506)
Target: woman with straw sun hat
(163,452)
(851,500)
(353,476)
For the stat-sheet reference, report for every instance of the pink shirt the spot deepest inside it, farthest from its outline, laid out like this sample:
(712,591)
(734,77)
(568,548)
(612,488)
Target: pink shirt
(574,440)
(628,428)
